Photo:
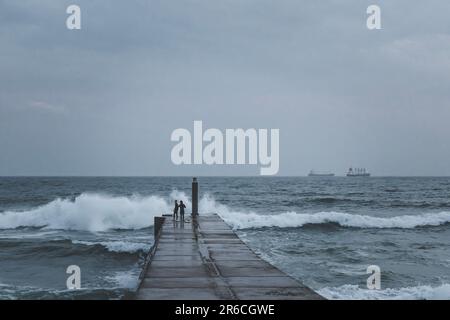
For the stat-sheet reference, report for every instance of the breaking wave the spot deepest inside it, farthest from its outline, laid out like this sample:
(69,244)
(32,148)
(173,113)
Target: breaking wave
(96,213)
(90,212)
(293,219)
(354,292)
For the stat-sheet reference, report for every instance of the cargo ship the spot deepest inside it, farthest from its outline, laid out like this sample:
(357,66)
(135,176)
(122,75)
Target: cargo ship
(357,172)
(313,173)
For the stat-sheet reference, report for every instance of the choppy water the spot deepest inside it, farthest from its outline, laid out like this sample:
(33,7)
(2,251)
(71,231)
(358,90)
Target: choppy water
(323,231)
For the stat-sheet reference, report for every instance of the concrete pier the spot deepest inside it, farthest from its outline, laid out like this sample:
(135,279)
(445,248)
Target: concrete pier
(205,259)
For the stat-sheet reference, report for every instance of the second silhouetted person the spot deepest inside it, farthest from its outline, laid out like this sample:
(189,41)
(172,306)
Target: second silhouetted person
(182,207)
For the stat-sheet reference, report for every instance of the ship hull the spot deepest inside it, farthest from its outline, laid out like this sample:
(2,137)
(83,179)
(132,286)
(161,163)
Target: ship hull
(359,175)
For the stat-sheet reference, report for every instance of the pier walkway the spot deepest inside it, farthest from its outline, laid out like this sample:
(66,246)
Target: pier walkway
(205,259)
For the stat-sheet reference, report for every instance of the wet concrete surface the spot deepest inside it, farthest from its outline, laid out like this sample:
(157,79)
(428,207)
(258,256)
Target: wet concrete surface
(204,259)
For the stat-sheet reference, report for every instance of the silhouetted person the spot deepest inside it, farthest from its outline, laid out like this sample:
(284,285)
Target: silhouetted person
(175,210)
(182,207)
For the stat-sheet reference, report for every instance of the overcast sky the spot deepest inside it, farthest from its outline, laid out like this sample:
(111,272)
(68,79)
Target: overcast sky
(104,100)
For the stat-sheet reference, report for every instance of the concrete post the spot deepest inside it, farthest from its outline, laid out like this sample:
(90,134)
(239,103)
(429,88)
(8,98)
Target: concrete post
(194,197)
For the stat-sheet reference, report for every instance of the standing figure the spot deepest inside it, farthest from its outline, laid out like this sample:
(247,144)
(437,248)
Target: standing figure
(182,207)
(175,210)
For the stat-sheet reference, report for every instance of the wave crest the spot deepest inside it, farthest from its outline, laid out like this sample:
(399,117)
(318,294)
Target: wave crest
(90,212)
(293,219)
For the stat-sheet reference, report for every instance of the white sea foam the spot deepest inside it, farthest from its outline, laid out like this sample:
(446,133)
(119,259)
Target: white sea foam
(92,212)
(292,219)
(95,212)
(124,279)
(354,292)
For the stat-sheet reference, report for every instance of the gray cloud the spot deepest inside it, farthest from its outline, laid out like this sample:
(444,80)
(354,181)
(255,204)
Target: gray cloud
(104,100)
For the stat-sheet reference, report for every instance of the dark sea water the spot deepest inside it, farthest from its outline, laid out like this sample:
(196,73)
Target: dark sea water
(322,231)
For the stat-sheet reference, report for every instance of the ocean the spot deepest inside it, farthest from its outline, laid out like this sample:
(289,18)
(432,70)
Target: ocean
(324,231)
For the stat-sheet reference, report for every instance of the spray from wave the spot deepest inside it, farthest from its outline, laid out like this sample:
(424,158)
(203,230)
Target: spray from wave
(96,213)
(354,292)
(91,212)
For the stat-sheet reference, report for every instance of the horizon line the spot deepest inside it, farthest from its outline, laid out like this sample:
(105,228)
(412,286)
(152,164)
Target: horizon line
(218,176)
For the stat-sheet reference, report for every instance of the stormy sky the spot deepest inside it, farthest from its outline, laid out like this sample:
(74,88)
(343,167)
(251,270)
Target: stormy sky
(105,99)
